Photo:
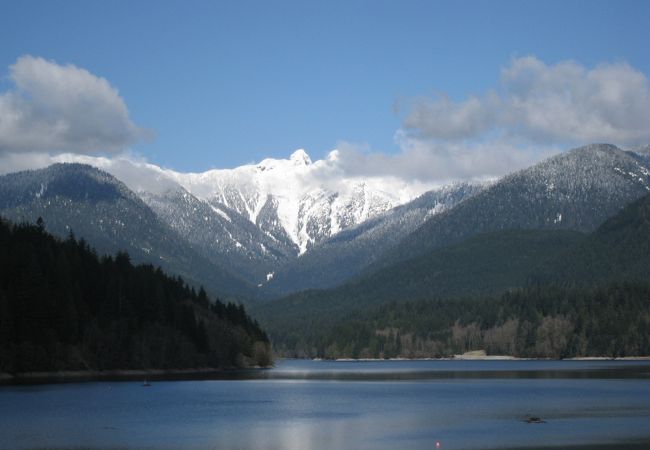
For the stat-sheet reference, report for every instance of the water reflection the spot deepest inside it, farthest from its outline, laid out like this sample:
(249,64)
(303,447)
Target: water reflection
(328,405)
(445,369)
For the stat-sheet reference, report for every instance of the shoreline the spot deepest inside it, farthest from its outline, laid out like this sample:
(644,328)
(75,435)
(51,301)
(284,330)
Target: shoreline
(490,358)
(78,376)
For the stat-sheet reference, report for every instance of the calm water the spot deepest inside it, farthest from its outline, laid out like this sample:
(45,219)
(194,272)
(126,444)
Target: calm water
(344,405)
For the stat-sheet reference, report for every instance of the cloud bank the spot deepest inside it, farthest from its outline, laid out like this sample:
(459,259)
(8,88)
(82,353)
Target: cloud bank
(536,110)
(560,103)
(438,163)
(56,108)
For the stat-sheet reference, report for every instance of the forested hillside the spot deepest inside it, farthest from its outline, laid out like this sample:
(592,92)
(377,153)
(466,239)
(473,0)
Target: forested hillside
(618,250)
(64,308)
(547,322)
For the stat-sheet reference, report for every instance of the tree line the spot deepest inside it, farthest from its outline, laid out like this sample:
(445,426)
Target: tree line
(556,321)
(63,307)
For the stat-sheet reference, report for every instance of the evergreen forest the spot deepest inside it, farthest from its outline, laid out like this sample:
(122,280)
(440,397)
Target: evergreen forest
(63,307)
(532,322)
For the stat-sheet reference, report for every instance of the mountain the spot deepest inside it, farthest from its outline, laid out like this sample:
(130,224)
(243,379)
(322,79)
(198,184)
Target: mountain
(576,190)
(101,209)
(345,255)
(219,233)
(296,202)
(290,224)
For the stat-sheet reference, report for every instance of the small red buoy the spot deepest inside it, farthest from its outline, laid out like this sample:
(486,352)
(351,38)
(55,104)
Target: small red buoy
(437,444)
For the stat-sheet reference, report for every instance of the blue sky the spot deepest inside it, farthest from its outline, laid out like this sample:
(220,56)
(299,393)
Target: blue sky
(225,83)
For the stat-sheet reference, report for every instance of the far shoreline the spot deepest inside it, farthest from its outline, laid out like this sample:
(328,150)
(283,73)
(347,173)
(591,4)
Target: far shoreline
(481,355)
(488,358)
(79,376)
(230,373)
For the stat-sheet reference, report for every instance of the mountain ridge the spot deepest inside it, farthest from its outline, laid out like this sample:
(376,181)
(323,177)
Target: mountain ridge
(575,190)
(95,205)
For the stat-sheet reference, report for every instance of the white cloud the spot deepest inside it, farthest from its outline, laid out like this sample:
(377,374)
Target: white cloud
(437,163)
(56,108)
(562,103)
(536,111)
(445,119)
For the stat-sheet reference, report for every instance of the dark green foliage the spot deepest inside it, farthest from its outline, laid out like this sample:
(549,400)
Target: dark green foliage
(64,308)
(618,250)
(555,322)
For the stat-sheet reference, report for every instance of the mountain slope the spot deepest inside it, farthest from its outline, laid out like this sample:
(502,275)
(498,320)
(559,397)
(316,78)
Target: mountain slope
(485,264)
(96,206)
(576,190)
(346,254)
(643,151)
(618,250)
(219,233)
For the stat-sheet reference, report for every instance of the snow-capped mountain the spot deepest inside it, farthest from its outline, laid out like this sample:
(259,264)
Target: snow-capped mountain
(297,202)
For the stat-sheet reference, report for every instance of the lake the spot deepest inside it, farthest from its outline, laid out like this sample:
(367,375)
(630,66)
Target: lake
(306,405)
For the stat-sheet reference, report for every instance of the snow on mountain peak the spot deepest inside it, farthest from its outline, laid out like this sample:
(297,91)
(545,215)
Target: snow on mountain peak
(333,156)
(300,157)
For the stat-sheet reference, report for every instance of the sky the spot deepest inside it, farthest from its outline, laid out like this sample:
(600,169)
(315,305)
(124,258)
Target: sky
(419,89)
